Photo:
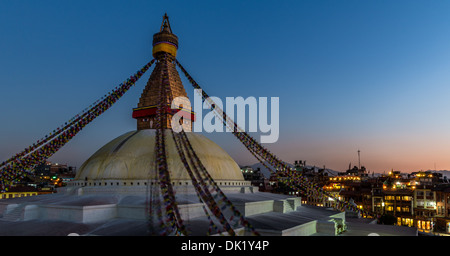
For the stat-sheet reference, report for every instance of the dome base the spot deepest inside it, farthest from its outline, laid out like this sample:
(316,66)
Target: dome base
(143,187)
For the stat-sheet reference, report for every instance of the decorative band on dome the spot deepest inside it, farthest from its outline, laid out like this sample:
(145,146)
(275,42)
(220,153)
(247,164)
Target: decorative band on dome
(165,47)
(165,42)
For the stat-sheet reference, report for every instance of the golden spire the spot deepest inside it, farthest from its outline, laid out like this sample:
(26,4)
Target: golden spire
(165,26)
(165,74)
(165,41)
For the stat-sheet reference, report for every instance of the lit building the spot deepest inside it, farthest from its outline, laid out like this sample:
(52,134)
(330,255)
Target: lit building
(424,207)
(256,178)
(442,224)
(426,177)
(16,192)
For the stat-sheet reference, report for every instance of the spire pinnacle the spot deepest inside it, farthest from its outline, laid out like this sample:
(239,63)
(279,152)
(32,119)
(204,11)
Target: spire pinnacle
(165,26)
(165,41)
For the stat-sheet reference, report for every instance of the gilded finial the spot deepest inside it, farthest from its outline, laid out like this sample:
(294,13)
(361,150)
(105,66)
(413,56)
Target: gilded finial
(165,41)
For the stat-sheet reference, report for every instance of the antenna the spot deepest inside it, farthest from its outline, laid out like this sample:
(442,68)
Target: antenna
(359,160)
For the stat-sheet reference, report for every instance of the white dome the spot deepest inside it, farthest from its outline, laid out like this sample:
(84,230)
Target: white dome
(131,157)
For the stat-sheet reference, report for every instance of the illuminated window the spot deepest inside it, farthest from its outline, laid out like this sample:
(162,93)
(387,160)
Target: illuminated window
(407,222)
(422,224)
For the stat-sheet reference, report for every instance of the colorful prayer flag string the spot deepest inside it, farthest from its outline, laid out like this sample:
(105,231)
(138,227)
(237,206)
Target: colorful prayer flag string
(21,164)
(294,180)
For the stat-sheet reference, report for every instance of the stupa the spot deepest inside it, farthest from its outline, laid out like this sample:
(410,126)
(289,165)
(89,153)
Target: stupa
(110,193)
(129,159)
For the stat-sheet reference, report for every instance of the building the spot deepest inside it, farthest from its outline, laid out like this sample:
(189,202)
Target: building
(45,179)
(424,207)
(16,192)
(359,192)
(256,178)
(442,216)
(426,178)
(419,199)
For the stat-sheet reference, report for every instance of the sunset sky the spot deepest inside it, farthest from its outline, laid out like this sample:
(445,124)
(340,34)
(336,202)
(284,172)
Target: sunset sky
(367,75)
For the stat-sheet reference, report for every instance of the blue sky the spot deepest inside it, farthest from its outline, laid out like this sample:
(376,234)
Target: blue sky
(368,75)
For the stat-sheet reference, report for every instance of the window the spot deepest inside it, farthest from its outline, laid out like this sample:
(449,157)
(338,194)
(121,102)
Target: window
(426,225)
(430,204)
(407,222)
(440,210)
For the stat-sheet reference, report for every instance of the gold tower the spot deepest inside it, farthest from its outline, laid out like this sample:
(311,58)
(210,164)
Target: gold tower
(165,45)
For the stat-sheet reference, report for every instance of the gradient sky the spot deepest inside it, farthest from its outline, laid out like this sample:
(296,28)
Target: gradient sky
(367,75)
